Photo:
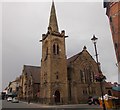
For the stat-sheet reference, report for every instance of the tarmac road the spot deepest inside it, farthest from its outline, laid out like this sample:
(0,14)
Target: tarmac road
(33,106)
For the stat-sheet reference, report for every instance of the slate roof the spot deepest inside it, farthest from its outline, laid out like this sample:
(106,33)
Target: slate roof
(73,58)
(34,71)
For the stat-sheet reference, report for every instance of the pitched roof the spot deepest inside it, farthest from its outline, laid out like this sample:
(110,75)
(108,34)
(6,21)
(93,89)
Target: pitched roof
(34,71)
(73,58)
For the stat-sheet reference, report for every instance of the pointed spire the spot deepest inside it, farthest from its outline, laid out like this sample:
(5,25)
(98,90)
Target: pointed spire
(53,19)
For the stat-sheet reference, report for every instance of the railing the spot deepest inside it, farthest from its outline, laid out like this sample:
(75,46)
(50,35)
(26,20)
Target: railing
(116,103)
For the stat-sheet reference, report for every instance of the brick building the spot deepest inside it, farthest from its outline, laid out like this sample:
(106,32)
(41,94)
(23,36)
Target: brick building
(65,80)
(113,13)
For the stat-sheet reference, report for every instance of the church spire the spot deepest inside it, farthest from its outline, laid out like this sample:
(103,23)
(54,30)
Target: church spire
(53,19)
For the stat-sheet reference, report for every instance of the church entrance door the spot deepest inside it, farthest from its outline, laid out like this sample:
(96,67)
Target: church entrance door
(57,96)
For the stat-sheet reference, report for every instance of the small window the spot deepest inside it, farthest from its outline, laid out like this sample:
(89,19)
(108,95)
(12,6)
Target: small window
(116,46)
(54,48)
(57,77)
(110,19)
(57,49)
(10,89)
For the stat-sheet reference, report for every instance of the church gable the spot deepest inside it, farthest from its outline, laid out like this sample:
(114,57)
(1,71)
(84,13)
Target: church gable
(83,56)
(82,63)
(81,70)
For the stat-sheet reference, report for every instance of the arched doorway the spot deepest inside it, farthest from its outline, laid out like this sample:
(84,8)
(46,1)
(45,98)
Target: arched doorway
(57,96)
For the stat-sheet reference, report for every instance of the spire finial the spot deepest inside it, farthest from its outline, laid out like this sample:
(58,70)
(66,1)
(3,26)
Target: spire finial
(53,19)
(84,48)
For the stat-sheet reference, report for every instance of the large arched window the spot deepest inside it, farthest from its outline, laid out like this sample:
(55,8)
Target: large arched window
(81,76)
(89,75)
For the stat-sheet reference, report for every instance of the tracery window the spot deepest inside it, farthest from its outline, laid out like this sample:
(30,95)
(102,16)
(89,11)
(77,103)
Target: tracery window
(81,76)
(88,75)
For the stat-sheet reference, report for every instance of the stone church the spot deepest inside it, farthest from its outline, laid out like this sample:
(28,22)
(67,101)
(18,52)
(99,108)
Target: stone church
(65,80)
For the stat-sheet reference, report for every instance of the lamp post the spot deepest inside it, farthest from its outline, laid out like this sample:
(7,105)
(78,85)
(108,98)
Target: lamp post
(100,78)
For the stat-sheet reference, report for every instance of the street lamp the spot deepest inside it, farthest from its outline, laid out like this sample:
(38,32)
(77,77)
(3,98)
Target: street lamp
(99,77)
(94,40)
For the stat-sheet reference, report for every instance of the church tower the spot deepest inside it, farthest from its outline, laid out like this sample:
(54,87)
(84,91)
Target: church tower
(53,83)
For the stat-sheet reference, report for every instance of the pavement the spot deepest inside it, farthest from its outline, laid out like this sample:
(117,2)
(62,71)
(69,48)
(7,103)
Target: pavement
(37,106)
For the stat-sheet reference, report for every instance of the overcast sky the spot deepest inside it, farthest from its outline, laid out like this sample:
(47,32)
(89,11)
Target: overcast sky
(23,24)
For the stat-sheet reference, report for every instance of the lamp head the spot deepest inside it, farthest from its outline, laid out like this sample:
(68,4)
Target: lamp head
(94,39)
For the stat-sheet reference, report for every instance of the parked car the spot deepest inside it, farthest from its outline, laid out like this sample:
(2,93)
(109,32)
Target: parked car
(9,99)
(15,100)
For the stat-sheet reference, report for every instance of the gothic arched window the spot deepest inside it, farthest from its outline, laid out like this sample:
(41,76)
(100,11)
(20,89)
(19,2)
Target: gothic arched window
(85,74)
(55,49)
(81,76)
(57,77)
